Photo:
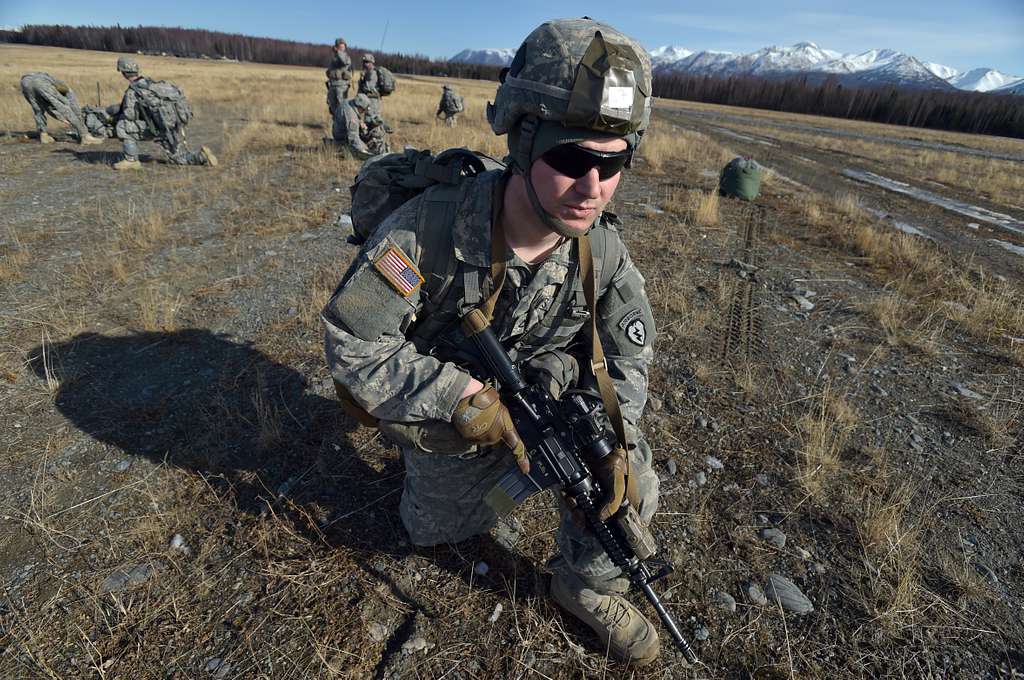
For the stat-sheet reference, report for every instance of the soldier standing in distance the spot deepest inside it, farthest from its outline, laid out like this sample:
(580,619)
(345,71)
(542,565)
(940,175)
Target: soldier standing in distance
(572,123)
(369,82)
(339,75)
(48,95)
(139,121)
(450,105)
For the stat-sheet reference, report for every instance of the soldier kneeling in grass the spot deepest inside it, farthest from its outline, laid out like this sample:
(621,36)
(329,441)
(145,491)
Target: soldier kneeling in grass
(158,110)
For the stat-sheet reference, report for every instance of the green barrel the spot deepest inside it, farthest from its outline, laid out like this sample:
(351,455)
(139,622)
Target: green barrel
(740,178)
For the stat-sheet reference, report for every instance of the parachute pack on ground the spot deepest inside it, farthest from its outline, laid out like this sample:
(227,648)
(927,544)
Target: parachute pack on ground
(165,104)
(740,178)
(385,81)
(100,122)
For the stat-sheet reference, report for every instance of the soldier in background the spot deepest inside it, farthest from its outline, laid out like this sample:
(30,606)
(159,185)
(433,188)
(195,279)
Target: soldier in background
(405,365)
(450,106)
(48,95)
(369,83)
(154,110)
(339,75)
(374,134)
(348,127)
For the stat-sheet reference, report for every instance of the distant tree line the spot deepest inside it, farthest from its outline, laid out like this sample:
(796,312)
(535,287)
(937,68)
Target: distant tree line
(975,112)
(197,43)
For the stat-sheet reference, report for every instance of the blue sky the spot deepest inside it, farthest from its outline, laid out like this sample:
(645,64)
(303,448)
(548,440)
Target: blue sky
(959,33)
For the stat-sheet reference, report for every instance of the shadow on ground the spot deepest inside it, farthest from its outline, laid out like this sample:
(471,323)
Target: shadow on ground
(101,157)
(207,403)
(252,428)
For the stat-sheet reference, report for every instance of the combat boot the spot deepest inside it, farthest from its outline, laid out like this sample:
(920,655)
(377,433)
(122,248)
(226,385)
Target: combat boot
(208,157)
(89,140)
(623,629)
(127,164)
(45,138)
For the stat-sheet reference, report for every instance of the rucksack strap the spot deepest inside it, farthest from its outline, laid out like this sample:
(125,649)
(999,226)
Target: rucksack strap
(598,363)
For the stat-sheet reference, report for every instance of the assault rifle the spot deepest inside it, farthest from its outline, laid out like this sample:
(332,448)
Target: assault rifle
(560,436)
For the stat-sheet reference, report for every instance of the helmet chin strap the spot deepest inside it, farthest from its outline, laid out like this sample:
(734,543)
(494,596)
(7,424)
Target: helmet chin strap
(550,221)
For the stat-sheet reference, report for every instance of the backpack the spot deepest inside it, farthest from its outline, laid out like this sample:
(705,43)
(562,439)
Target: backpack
(384,183)
(164,104)
(99,122)
(740,178)
(385,82)
(457,105)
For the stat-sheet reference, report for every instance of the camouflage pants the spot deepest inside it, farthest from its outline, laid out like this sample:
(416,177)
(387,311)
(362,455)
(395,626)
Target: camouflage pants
(172,142)
(337,92)
(45,99)
(450,119)
(443,503)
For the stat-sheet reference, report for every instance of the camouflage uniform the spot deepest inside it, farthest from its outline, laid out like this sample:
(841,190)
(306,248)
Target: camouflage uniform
(410,372)
(376,134)
(135,125)
(450,106)
(100,122)
(339,79)
(346,127)
(48,95)
(368,85)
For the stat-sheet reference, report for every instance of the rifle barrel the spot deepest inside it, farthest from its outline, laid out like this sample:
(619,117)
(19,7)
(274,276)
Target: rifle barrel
(669,623)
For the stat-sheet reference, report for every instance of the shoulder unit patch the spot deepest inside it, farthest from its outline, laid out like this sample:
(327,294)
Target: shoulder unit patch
(397,267)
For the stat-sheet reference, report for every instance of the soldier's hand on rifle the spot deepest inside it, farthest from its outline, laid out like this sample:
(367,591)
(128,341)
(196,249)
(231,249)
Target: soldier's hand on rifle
(612,473)
(482,419)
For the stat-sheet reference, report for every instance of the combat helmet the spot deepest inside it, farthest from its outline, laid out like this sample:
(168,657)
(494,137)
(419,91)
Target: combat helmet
(361,102)
(127,65)
(570,80)
(368,57)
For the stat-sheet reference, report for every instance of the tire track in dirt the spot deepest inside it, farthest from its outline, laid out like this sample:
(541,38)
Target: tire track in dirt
(822,171)
(742,336)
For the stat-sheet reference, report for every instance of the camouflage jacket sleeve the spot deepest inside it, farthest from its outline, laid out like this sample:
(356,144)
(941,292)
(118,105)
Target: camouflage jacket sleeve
(129,105)
(340,67)
(366,320)
(625,324)
(352,129)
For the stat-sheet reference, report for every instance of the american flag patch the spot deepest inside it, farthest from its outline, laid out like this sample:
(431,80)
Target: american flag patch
(399,271)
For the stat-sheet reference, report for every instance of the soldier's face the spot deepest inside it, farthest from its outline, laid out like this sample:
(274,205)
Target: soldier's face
(577,202)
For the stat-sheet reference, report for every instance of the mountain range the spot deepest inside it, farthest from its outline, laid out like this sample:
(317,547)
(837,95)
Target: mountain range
(806,59)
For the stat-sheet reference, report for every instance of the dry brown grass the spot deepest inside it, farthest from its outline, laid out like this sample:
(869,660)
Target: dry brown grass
(704,208)
(158,307)
(891,593)
(14,258)
(822,435)
(666,146)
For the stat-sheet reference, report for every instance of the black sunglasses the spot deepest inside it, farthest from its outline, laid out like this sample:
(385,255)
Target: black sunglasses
(575,161)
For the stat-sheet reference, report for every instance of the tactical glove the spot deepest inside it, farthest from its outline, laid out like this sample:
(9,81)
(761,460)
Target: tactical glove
(481,418)
(612,472)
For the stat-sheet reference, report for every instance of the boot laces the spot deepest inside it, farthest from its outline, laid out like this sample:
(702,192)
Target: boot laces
(614,613)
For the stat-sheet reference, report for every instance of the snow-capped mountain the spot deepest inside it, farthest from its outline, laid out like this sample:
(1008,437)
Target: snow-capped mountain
(984,80)
(501,56)
(668,54)
(944,72)
(873,67)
